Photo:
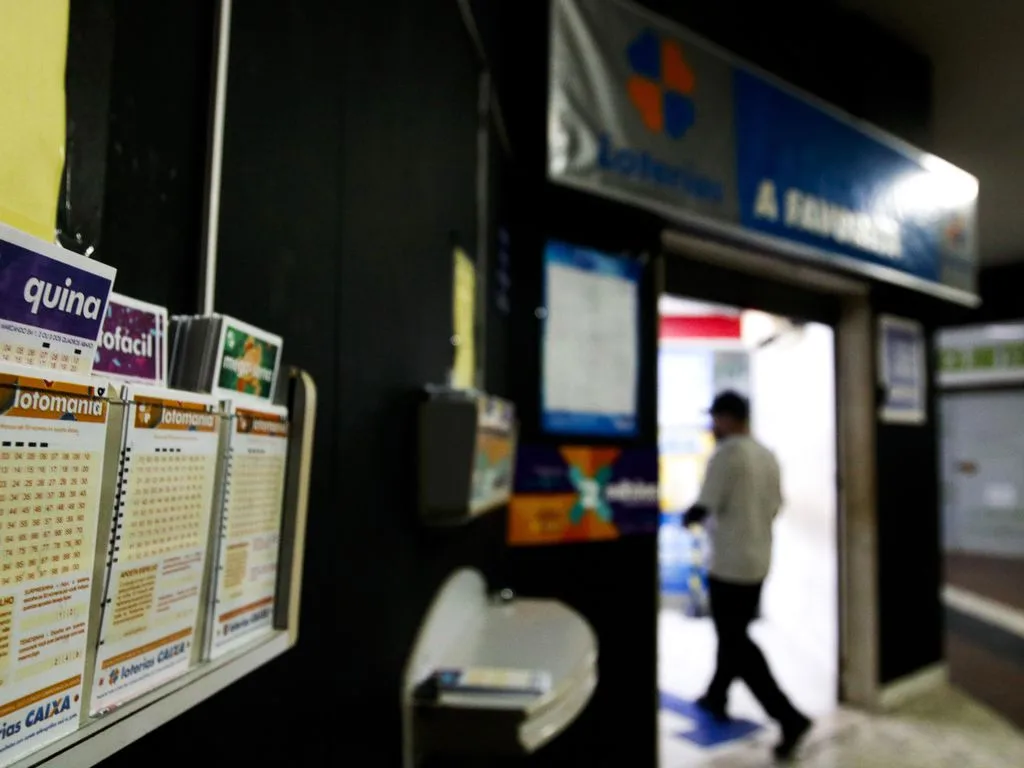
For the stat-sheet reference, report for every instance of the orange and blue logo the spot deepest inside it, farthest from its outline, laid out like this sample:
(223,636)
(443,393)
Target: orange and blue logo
(661,85)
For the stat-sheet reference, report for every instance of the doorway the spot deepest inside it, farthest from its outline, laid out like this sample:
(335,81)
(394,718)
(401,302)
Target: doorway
(786,368)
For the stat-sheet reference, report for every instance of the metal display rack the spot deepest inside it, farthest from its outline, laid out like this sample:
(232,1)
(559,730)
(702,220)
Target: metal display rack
(100,737)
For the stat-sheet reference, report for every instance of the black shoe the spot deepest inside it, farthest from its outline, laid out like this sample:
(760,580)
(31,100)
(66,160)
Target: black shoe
(792,734)
(713,709)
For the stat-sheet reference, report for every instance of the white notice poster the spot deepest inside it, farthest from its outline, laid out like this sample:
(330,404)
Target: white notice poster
(250,528)
(158,550)
(590,342)
(903,371)
(52,436)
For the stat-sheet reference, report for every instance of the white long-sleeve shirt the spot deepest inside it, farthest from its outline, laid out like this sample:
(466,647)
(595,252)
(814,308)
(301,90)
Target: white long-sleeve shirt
(742,493)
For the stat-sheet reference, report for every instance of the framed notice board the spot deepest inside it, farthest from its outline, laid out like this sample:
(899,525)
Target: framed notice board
(590,342)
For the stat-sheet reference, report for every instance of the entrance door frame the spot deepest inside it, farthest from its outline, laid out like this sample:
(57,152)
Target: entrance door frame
(855,444)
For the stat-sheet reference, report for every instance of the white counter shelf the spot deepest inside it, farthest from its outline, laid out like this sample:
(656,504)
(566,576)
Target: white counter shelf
(465,629)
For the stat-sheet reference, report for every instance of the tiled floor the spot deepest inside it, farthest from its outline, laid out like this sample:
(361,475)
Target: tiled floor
(945,730)
(686,651)
(942,731)
(686,657)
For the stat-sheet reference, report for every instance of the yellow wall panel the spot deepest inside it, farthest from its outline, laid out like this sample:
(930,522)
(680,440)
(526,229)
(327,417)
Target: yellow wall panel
(33,38)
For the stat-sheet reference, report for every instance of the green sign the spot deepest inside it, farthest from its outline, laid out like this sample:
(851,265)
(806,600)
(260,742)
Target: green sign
(983,358)
(981,355)
(248,361)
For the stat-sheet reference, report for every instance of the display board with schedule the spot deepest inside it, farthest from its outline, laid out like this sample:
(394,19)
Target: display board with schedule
(158,542)
(590,342)
(52,443)
(250,526)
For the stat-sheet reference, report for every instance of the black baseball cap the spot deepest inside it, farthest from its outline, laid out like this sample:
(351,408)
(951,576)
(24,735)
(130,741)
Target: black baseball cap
(732,404)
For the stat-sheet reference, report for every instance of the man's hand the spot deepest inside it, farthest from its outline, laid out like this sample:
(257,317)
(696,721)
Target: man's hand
(695,515)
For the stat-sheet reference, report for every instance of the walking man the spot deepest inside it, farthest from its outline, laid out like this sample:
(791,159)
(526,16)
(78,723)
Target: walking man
(740,498)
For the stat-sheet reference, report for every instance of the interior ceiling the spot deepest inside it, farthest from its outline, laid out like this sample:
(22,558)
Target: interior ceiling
(978,114)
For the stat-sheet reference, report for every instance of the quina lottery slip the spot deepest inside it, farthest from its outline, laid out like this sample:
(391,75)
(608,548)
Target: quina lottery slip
(52,304)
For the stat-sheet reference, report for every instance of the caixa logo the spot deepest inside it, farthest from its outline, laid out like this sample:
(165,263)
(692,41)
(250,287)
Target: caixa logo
(61,298)
(36,716)
(47,711)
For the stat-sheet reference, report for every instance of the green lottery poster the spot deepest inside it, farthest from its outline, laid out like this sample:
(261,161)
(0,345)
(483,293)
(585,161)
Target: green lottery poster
(248,359)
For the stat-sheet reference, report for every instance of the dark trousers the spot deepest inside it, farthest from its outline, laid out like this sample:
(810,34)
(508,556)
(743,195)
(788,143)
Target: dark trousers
(733,608)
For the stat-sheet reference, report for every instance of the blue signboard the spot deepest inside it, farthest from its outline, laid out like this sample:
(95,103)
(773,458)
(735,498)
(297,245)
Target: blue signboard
(654,116)
(807,177)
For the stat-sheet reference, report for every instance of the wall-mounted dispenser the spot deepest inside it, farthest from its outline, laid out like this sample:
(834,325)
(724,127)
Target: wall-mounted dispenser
(467,447)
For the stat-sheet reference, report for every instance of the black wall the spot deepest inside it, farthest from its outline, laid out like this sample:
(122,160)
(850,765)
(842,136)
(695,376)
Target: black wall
(138,93)
(156,151)
(910,535)
(349,172)
(909,523)
(845,60)
(612,584)
(909,545)
(88,71)
(1000,296)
